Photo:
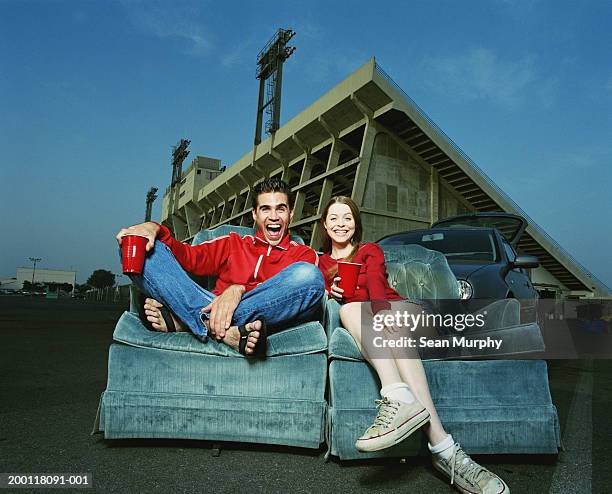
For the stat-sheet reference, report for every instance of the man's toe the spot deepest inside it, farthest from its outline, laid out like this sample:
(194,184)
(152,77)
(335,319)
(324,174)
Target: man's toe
(158,327)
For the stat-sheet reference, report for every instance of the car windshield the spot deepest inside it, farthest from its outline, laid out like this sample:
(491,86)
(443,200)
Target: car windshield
(456,245)
(509,227)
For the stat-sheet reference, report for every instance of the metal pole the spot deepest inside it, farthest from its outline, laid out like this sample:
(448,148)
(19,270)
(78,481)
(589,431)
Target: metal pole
(276,107)
(34,260)
(260,110)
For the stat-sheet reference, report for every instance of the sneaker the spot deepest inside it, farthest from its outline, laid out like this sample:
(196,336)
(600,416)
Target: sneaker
(468,476)
(394,422)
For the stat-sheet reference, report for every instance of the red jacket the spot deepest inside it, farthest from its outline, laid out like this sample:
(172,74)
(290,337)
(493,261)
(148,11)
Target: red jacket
(372,282)
(237,260)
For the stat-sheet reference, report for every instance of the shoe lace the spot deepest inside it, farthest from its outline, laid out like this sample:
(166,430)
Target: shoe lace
(386,412)
(465,466)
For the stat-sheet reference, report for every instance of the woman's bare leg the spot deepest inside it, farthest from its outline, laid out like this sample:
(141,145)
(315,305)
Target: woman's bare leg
(350,315)
(396,368)
(412,372)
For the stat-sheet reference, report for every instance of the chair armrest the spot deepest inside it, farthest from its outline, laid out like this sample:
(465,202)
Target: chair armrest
(331,317)
(134,299)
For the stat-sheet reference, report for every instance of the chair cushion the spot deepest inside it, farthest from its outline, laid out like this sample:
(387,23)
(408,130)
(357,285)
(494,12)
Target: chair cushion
(419,273)
(300,339)
(343,346)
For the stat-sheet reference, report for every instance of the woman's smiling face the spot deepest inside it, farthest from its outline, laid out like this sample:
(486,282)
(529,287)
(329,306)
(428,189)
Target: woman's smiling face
(340,224)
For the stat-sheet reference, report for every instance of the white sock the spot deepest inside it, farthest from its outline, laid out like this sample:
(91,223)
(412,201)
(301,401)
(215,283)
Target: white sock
(398,391)
(444,448)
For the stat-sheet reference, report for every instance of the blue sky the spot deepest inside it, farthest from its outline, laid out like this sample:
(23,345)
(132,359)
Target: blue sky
(93,94)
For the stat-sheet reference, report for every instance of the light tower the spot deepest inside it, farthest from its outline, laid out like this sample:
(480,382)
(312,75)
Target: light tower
(270,74)
(179,153)
(34,260)
(151,196)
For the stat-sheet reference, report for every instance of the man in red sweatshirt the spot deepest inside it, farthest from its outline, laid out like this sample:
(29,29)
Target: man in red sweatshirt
(264,281)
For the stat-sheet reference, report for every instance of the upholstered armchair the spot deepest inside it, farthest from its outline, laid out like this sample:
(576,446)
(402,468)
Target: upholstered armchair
(490,406)
(174,386)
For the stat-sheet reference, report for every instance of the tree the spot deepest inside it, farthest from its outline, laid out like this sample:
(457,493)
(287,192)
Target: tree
(101,278)
(54,287)
(36,287)
(81,289)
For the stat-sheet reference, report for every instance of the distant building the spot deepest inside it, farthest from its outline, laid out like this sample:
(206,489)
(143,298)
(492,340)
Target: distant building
(183,197)
(365,138)
(45,276)
(9,284)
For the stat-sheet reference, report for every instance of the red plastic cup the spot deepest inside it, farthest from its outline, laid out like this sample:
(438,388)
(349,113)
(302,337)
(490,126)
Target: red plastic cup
(133,250)
(348,272)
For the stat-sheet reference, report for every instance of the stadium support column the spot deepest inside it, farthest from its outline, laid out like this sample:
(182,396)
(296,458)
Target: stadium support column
(366,151)
(193,215)
(206,205)
(328,183)
(434,207)
(300,197)
(365,157)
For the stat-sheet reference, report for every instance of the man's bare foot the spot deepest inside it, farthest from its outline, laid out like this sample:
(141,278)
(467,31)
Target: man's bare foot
(154,316)
(232,337)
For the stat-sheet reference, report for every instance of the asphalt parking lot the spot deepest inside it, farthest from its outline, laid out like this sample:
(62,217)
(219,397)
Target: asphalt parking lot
(53,370)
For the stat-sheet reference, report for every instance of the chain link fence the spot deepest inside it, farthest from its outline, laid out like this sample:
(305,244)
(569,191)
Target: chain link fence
(110,295)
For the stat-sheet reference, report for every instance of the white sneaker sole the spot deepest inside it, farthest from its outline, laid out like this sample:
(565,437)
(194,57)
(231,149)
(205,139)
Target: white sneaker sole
(505,489)
(395,436)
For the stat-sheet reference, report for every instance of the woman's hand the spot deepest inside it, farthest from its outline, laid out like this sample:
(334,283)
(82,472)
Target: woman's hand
(335,290)
(392,329)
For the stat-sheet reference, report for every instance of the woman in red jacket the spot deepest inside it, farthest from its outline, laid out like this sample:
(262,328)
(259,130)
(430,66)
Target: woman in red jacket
(405,403)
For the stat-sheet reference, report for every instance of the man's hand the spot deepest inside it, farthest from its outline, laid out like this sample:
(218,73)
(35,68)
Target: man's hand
(221,310)
(335,290)
(148,229)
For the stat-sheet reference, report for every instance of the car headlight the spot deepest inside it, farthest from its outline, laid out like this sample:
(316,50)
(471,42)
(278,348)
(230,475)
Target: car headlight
(465,289)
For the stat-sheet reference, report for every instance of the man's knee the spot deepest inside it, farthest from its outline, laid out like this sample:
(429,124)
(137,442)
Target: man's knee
(307,275)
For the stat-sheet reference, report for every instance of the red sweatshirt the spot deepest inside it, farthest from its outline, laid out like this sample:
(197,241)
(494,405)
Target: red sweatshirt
(237,260)
(372,282)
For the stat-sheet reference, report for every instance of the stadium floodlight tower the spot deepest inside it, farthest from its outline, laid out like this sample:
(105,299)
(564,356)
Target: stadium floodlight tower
(151,196)
(270,74)
(179,153)
(34,260)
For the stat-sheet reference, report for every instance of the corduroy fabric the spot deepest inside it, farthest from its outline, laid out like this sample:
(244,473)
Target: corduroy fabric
(491,406)
(304,338)
(173,386)
(163,393)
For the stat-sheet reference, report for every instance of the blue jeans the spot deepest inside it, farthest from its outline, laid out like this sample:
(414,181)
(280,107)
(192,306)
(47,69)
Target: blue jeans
(293,295)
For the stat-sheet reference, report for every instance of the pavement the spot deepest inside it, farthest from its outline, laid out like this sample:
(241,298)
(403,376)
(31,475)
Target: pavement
(53,362)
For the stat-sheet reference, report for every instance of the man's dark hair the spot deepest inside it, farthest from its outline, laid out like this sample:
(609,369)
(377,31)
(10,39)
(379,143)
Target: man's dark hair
(273,184)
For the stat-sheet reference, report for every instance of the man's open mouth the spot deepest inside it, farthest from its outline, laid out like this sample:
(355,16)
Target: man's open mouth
(273,231)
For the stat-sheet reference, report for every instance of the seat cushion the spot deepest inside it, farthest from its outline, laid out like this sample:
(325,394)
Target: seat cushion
(343,346)
(490,406)
(419,273)
(300,339)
